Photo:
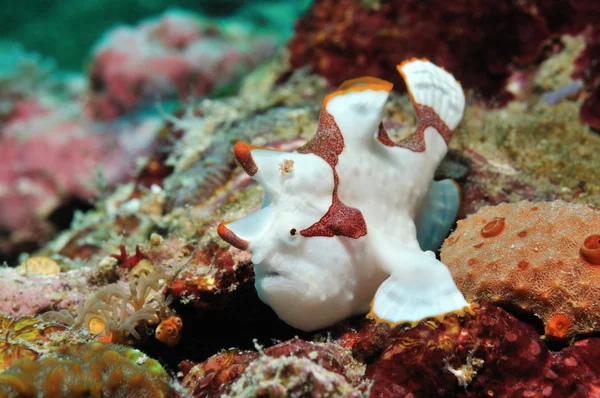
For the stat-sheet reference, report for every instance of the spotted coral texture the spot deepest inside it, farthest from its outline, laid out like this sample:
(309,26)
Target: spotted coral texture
(533,263)
(91,370)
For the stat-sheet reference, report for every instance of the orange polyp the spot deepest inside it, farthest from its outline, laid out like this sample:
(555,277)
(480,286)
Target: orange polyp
(558,326)
(493,228)
(590,250)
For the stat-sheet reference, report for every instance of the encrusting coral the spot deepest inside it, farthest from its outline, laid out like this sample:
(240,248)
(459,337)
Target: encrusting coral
(332,229)
(89,370)
(539,256)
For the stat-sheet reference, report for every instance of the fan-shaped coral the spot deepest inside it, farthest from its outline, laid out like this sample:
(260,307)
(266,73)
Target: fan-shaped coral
(537,256)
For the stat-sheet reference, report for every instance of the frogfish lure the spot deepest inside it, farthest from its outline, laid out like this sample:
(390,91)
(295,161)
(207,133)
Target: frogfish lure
(349,220)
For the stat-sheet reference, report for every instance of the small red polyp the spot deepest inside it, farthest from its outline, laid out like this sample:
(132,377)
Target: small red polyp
(228,236)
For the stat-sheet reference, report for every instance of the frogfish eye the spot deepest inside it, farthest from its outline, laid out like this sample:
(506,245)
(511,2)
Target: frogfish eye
(293,231)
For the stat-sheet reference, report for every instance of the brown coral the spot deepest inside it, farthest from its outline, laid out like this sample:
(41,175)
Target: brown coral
(90,370)
(535,263)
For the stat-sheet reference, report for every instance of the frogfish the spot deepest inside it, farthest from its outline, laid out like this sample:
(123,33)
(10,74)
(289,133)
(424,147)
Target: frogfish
(349,221)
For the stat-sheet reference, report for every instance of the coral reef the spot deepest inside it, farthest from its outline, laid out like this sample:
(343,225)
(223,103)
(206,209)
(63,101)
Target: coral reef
(488,353)
(93,369)
(536,256)
(165,217)
(588,70)
(481,42)
(293,368)
(55,159)
(23,293)
(175,55)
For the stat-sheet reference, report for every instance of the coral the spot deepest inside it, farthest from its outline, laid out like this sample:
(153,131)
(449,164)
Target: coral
(93,369)
(332,187)
(30,337)
(39,265)
(127,261)
(176,54)
(481,42)
(52,158)
(22,74)
(533,262)
(29,294)
(210,272)
(486,353)
(293,368)
(588,70)
(169,330)
(115,313)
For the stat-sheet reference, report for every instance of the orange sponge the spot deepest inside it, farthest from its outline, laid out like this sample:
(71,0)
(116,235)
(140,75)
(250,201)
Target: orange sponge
(541,257)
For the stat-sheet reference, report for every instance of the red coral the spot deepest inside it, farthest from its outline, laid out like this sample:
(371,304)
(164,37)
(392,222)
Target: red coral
(479,41)
(211,271)
(515,361)
(127,261)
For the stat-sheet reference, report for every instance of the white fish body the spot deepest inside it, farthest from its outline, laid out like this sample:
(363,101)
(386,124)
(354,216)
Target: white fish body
(337,231)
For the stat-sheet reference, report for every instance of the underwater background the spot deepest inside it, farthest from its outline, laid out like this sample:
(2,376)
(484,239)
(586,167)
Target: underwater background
(118,121)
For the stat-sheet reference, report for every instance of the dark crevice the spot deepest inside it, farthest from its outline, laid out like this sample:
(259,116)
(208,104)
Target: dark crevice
(62,216)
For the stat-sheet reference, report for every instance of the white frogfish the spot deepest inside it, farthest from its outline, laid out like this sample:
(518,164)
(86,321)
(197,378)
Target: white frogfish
(349,220)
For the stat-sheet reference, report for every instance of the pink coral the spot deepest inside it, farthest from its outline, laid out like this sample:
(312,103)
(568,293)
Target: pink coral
(22,294)
(175,55)
(51,155)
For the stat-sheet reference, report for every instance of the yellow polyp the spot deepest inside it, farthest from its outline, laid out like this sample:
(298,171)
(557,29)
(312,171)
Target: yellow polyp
(96,325)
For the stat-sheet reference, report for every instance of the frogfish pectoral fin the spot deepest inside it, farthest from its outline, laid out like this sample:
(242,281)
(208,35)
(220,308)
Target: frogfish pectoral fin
(424,288)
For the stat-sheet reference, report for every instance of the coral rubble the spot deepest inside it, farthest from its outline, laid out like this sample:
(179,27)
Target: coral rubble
(292,368)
